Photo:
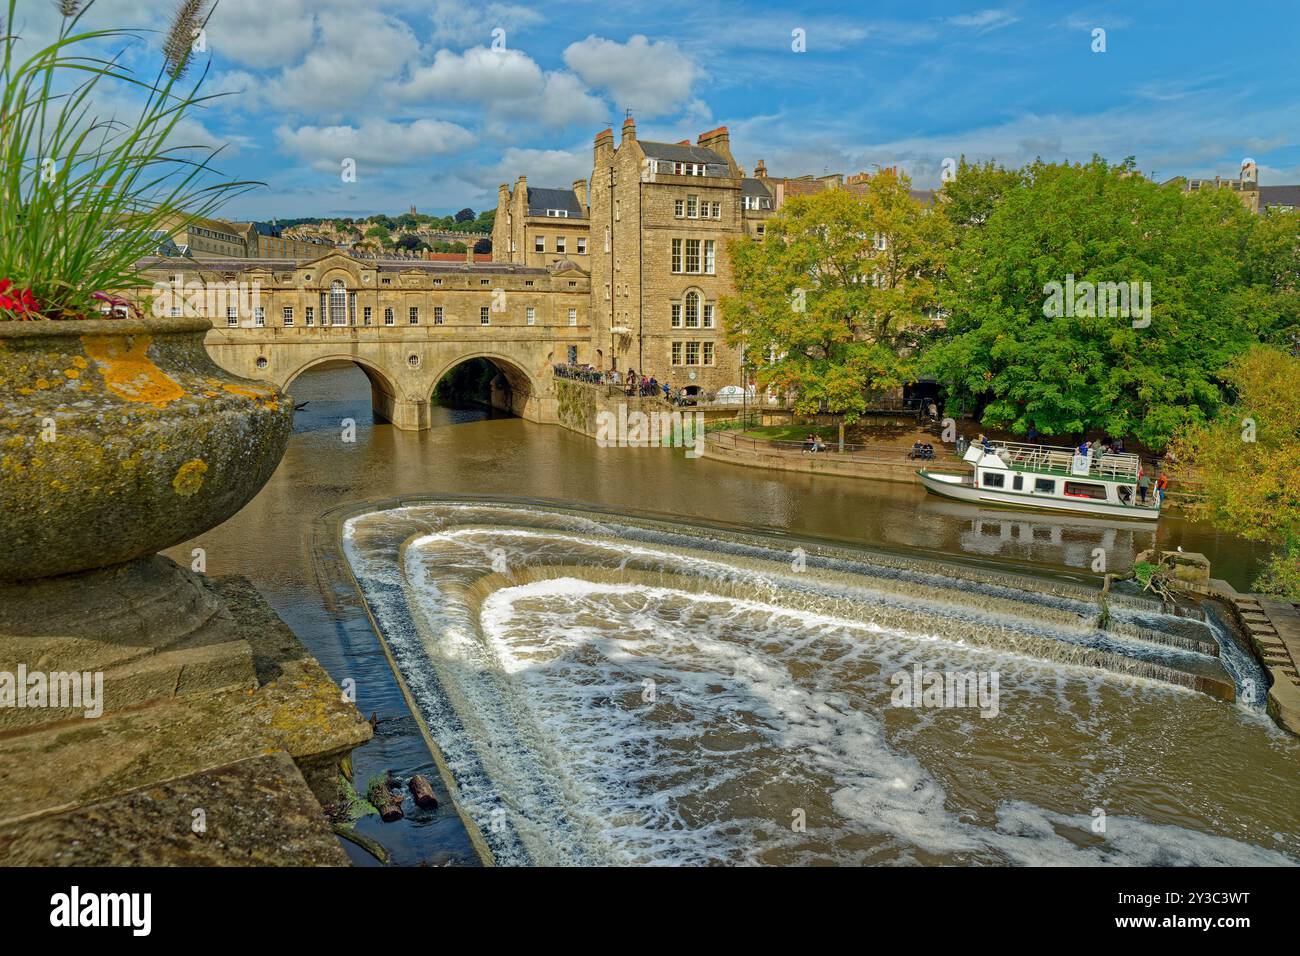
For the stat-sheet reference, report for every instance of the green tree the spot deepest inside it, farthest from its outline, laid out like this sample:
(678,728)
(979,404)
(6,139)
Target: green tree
(831,302)
(378,232)
(970,197)
(1005,354)
(411,242)
(1243,466)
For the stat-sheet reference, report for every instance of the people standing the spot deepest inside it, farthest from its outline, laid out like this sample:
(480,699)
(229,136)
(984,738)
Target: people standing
(1162,484)
(1144,484)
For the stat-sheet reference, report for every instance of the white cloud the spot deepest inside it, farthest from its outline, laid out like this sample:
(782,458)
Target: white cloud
(351,56)
(462,24)
(506,82)
(376,143)
(650,77)
(543,167)
(985,21)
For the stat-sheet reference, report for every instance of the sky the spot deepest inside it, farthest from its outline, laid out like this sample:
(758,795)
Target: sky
(437,102)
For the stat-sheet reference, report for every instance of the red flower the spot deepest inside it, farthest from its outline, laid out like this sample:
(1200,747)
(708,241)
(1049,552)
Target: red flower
(11,300)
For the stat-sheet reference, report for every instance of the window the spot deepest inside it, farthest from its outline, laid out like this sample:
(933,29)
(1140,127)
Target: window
(761,229)
(692,255)
(530,315)
(366,314)
(573,355)
(232,316)
(558,213)
(677,353)
(573,316)
(175,312)
(386,280)
(484,316)
(437,315)
(560,243)
(677,255)
(338,303)
(677,315)
(259,317)
(582,246)
(679,208)
(607,238)
(692,310)
(287,315)
(388,317)
(539,243)
(528,283)
(993,479)
(415,315)
(692,207)
(708,316)
(484,281)
(1083,489)
(708,353)
(1044,486)
(717,210)
(311,315)
(692,353)
(1017,483)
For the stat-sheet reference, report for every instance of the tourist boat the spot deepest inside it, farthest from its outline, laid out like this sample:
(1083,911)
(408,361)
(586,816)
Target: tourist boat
(1049,478)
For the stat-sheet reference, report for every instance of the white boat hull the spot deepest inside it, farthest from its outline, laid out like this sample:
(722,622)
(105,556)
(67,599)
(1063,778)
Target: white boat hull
(961,488)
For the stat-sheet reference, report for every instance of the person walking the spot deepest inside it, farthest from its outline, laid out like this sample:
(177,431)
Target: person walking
(1144,485)
(1162,485)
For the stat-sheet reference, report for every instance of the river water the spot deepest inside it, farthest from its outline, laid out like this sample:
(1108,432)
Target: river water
(607,686)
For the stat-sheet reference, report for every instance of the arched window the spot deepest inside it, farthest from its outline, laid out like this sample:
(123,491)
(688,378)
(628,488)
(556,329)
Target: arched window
(692,310)
(338,303)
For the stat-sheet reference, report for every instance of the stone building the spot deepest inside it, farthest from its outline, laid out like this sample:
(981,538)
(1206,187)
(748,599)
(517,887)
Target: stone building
(538,227)
(216,238)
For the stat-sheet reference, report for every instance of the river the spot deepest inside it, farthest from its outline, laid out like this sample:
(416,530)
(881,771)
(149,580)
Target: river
(780,744)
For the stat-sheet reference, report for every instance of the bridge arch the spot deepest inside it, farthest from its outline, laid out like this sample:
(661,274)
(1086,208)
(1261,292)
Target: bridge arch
(384,394)
(519,392)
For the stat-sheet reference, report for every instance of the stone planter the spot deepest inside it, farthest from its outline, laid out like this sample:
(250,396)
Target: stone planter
(119,438)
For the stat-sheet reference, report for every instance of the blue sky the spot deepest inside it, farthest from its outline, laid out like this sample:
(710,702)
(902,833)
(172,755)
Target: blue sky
(412,91)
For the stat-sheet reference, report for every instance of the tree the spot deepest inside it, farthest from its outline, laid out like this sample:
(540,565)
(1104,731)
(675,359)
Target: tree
(378,232)
(411,242)
(465,215)
(1243,466)
(830,302)
(1022,356)
(976,190)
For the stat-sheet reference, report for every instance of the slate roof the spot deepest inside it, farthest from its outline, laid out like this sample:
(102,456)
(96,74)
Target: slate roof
(541,199)
(680,153)
(1279,196)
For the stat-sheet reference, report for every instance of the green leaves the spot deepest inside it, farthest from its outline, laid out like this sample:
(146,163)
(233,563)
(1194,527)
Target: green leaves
(830,303)
(1093,223)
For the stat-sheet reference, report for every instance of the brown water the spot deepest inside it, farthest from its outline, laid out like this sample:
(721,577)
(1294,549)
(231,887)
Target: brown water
(780,709)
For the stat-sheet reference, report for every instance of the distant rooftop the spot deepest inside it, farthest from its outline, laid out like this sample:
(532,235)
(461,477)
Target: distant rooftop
(681,153)
(542,199)
(384,265)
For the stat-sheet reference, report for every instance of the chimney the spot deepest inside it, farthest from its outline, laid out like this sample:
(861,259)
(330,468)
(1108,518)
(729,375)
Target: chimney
(629,131)
(719,140)
(580,190)
(760,171)
(604,143)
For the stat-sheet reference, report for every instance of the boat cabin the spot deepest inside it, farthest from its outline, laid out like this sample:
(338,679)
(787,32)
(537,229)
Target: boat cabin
(1059,473)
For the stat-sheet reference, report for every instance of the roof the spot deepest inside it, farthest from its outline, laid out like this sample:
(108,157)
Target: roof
(541,199)
(384,265)
(754,187)
(1279,196)
(678,153)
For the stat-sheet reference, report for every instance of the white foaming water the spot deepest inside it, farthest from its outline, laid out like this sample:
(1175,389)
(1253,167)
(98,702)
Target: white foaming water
(605,721)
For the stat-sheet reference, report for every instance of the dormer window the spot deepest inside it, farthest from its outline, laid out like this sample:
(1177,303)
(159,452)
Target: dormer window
(558,213)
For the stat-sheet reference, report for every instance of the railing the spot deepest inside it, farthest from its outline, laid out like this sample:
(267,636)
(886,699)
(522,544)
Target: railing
(1058,460)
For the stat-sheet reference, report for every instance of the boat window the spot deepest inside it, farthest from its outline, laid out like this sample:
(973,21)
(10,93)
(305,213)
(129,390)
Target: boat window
(1045,486)
(994,479)
(1018,482)
(1083,489)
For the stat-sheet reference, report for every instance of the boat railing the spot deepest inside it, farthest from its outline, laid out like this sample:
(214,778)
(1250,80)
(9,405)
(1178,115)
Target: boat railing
(1056,459)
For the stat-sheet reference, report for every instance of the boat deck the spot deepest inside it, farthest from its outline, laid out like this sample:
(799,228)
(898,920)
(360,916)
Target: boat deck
(1061,461)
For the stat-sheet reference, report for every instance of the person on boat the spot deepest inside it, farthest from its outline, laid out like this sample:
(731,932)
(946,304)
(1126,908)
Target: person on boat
(1162,483)
(1144,484)
(1084,448)
(984,444)
(1032,435)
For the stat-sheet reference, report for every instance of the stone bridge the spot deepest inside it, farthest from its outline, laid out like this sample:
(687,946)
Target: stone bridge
(404,364)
